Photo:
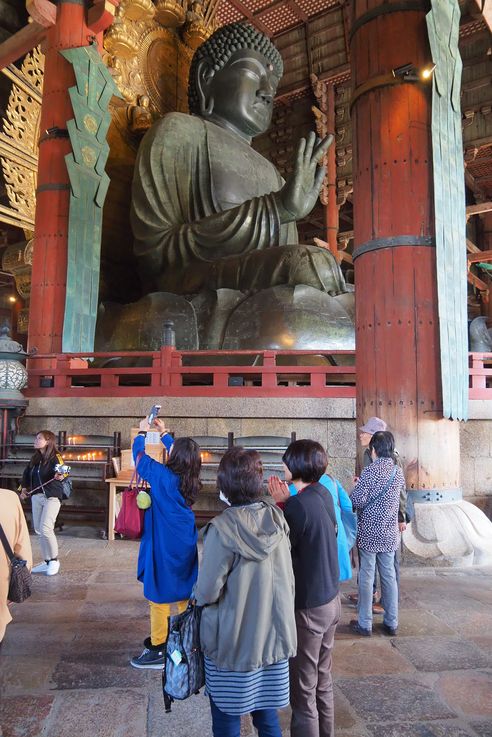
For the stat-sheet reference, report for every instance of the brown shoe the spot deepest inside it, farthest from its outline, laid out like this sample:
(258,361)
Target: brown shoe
(377,609)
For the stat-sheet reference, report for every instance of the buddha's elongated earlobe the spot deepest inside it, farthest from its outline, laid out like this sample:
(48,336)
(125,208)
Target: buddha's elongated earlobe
(207,106)
(204,76)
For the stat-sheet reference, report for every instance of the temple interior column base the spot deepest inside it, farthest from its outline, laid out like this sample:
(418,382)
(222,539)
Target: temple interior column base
(454,533)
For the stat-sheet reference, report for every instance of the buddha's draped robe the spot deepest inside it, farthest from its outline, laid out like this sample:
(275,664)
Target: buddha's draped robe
(203,216)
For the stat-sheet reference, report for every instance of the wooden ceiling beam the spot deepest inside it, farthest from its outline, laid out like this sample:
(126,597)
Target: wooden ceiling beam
(471,182)
(485,9)
(282,3)
(475,258)
(471,247)
(346,26)
(478,209)
(21,42)
(477,283)
(309,19)
(330,76)
(254,20)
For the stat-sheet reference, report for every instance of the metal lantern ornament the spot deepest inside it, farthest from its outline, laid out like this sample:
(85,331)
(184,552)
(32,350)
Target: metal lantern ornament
(13,374)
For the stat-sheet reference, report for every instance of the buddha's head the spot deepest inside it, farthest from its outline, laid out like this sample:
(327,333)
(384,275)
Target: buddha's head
(233,79)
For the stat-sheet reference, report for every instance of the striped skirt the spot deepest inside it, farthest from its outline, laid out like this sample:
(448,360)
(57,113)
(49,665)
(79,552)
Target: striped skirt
(236,693)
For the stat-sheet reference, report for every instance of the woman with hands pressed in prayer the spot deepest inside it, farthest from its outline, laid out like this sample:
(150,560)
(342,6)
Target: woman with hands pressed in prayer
(311,517)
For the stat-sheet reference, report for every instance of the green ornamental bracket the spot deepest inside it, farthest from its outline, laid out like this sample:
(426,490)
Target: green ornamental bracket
(449,205)
(89,185)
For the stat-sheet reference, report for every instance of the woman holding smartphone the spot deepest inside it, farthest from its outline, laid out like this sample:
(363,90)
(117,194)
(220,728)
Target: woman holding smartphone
(43,484)
(168,557)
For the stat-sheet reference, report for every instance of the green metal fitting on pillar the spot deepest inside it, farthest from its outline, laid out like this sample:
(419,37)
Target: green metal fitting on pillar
(89,185)
(449,205)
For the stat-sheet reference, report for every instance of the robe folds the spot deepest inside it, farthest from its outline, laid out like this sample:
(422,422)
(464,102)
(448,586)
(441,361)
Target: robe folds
(204,216)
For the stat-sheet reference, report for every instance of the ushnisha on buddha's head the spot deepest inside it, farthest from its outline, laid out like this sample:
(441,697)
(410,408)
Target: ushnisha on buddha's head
(233,80)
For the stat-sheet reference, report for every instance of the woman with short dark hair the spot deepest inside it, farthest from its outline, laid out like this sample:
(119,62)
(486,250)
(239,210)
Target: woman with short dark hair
(306,460)
(241,473)
(168,557)
(383,444)
(376,499)
(246,587)
(313,535)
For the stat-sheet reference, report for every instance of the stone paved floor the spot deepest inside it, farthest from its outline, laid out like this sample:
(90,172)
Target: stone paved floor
(64,665)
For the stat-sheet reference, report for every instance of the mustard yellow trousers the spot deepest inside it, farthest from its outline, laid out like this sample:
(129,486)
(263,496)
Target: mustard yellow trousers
(158,619)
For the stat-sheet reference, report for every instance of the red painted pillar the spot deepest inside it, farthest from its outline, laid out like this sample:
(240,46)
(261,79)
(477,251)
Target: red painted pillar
(398,368)
(49,269)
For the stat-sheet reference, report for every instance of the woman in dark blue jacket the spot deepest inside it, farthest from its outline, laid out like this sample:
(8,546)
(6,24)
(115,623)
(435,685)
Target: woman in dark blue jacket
(168,557)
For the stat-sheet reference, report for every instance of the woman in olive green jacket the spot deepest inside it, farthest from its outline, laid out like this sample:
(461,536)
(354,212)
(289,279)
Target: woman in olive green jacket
(246,586)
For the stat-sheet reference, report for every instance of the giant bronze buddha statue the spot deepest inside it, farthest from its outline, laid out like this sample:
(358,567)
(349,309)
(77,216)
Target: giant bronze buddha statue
(214,222)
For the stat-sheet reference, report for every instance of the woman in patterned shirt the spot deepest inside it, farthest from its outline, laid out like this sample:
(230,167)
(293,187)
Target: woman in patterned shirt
(376,499)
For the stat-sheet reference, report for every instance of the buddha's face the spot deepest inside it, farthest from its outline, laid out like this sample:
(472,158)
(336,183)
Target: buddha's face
(240,95)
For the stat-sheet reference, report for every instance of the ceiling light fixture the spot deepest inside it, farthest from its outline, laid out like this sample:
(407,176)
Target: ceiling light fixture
(410,73)
(404,71)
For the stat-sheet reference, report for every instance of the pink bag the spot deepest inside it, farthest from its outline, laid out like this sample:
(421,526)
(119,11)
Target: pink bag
(129,522)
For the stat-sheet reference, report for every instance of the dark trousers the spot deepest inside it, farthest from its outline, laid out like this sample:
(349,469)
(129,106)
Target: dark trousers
(228,725)
(311,684)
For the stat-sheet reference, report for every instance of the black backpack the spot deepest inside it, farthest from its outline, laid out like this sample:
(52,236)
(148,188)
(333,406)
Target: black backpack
(184,671)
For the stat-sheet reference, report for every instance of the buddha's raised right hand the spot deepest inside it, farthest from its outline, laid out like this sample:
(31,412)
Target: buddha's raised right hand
(298,196)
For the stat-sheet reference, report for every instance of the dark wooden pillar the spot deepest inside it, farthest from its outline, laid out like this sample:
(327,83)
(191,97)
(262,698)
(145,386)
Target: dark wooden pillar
(398,366)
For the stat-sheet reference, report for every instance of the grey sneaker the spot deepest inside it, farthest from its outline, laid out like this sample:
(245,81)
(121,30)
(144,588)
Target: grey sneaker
(150,658)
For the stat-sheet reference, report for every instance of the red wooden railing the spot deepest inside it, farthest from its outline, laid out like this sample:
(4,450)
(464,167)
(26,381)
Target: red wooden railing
(194,373)
(480,375)
(212,373)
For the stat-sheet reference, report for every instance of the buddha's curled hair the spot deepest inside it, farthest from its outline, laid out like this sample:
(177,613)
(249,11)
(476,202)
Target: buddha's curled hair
(222,44)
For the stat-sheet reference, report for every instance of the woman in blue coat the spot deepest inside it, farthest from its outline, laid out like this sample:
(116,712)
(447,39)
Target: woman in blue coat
(168,557)
(341,500)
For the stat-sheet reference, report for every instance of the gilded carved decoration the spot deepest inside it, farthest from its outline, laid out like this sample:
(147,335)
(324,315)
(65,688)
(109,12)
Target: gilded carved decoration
(18,141)
(146,56)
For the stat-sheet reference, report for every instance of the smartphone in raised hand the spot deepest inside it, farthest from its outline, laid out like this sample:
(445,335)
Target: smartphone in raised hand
(154,412)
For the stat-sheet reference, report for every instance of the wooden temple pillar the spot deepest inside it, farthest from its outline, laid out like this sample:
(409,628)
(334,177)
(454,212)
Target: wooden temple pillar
(74,26)
(397,328)
(331,208)
(325,124)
